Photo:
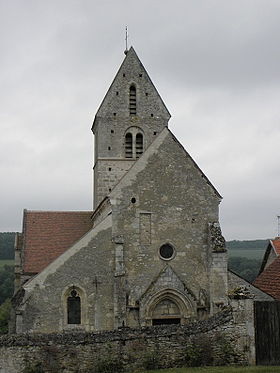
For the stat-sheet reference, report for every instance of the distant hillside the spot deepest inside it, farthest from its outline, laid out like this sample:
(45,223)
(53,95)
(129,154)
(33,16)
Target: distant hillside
(7,241)
(250,249)
(245,257)
(247,244)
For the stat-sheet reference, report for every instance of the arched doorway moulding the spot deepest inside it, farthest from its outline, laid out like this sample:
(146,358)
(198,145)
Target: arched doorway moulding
(186,307)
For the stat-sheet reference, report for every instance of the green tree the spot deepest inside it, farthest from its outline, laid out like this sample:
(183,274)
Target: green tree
(246,268)
(7,242)
(247,244)
(5,309)
(6,282)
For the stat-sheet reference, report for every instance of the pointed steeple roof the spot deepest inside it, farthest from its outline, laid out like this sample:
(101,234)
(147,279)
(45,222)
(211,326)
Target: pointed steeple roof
(149,101)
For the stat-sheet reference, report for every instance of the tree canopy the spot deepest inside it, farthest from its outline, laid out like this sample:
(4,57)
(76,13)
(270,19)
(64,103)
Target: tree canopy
(7,242)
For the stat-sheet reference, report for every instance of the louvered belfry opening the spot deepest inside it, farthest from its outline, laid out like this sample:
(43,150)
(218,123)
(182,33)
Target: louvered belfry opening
(132,100)
(128,145)
(139,144)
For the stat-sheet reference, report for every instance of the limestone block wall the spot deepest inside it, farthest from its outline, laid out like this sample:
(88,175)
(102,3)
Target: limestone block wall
(108,172)
(86,267)
(224,337)
(110,162)
(218,279)
(174,206)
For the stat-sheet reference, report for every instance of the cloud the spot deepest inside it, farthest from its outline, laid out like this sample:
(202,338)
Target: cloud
(215,64)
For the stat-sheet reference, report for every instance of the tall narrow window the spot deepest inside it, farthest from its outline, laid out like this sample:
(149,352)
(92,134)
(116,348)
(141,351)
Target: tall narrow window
(74,308)
(139,144)
(128,145)
(132,100)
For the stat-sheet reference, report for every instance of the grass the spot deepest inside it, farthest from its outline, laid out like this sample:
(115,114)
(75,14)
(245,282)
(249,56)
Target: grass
(9,262)
(235,369)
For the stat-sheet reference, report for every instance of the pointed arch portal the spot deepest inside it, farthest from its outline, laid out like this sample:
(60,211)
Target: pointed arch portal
(168,307)
(166,311)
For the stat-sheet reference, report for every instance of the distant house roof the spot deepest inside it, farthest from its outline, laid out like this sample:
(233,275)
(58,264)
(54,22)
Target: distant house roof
(273,248)
(269,280)
(276,245)
(47,234)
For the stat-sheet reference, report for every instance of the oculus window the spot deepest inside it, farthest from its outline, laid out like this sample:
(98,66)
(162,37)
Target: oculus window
(166,251)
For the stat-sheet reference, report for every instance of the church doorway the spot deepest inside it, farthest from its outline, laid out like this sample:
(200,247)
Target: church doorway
(166,312)
(170,321)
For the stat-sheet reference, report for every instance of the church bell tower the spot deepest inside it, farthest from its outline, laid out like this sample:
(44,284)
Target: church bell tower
(128,120)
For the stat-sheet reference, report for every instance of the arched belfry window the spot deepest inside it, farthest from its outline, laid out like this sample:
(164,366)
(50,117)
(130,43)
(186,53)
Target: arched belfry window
(132,100)
(128,145)
(139,144)
(73,308)
(134,142)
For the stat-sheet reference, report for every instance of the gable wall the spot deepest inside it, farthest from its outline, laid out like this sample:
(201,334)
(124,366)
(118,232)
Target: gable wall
(90,269)
(174,204)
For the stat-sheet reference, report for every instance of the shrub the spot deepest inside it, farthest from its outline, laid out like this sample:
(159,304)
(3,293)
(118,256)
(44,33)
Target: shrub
(6,282)
(151,361)
(199,352)
(5,310)
(108,365)
(34,368)
(226,354)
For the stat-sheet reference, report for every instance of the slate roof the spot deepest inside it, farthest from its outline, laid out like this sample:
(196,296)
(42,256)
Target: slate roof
(269,280)
(48,234)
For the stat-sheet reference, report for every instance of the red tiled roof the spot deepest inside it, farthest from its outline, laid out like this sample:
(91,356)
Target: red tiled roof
(276,245)
(269,279)
(47,234)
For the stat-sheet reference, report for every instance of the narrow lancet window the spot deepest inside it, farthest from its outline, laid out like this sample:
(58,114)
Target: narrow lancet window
(139,144)
(128,145)
(132,100)
(74,308)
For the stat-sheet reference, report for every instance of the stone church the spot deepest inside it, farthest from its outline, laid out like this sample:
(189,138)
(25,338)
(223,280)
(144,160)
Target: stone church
(151,252)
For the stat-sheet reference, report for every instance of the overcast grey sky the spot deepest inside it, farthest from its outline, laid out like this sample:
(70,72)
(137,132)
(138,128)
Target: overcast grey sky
(216,64)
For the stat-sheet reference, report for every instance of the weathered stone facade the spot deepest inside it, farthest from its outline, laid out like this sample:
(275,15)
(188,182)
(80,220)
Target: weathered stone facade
(154,254)
(113,120)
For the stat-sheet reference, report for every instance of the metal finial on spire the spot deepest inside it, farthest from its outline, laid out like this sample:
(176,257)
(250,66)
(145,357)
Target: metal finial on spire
(278,220)
(126,38)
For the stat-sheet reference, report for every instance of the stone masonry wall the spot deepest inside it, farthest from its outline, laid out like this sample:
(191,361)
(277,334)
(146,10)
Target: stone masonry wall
(130,349)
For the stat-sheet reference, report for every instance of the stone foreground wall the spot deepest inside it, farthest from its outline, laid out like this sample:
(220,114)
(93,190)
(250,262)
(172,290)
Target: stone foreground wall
(216,341)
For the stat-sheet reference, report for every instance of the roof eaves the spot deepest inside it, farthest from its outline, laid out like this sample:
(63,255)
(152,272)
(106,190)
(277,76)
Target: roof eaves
(99,207)
(265,258)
